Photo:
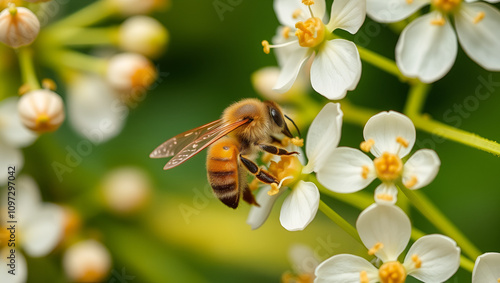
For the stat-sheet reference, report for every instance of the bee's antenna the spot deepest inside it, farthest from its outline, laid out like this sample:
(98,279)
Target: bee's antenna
(293,124)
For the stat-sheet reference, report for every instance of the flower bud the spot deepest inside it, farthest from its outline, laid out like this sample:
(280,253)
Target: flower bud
(41,110)
(130,72)
(87,261)
(264,79)
(18,26)
(126,189)
(143,35)
(136,7)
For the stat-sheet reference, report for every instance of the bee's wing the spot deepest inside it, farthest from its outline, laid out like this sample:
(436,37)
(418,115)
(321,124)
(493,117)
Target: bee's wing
(174,145)
(202,142)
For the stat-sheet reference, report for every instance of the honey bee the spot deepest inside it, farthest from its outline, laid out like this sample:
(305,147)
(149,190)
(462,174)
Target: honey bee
(245,128)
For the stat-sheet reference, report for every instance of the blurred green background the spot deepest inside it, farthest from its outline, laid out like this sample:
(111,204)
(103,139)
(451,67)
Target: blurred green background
(207,66)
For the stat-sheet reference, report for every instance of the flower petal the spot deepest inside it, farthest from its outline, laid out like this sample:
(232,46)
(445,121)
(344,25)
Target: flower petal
(423,167)
(392,11)
(342,172)
(300,206)
(285,9)
(345,268)
(348,15)
(489,1)
(439,256)
(426,50)
(291,68)
(480,37)
(486,268)
(44,230)
(10,157)
(302,259)
(386,194)
(323,135)
(13,132)
(384,128)
(336,69)
(387,225)
(21,270)
(259,214)
(29,199)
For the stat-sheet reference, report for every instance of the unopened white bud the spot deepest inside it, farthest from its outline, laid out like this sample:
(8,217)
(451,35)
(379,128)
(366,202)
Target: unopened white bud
(126,189)
(137,7)
(18,26)
(41,110)
(264,79)
(144,35)
(87,261)
(130,72)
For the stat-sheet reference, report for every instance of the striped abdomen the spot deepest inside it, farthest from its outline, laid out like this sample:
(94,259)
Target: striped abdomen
(223,170)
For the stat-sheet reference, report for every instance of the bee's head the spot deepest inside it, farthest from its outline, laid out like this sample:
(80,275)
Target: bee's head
(278,118)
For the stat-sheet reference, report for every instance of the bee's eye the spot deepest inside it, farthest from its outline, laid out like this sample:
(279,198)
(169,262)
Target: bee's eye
(277,117)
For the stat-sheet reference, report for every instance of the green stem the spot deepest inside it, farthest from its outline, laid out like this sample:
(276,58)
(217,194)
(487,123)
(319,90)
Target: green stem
(25,55)
(359,200)
(381,62)
(89,15)
(356,114)
(439,220)
(85,36)
(341,222)
(416,99)
(79,61)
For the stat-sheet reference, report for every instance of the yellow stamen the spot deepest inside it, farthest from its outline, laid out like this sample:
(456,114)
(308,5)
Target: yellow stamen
(297,13)
(498,280)
(288,169)
(402,141)
(363,277)
(311,32)
(412,182)
(274,189)
(366,146)
(446,6)
(416,260)
(49,84)
(392,272)
(388,167)
(308,2)
(385,197)
(254,185)
(377,247)
(297,142)
(286,32)
(365,172)
(266,46)
(409,2)
(479,17)
(438,22)
(23,89)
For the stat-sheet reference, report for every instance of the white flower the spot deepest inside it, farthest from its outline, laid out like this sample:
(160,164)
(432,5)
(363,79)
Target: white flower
(385,231)
(301,205)
(336,67)
(303,261)
(13,135)
(389,136)
(87,261)
(41,110)
(18,26)
(427,47)
(95,110)
(264,79)
(487,268)
(126,189)
(143,35)
(39,227)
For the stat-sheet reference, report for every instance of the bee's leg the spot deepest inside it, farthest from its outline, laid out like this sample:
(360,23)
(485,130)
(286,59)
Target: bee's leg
(275,150)
(249,197)
(259,173)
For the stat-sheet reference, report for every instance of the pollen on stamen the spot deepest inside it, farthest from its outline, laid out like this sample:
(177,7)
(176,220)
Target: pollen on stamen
(265,45)
(286,32)
(438,22)
(297,141)
(363,277)
(416,260)
(412,182)
(366,146)
(274,189)
(365,171)
(402,141)
(297,13)
(49,84)
(479,17)
(308,2)
(385,197)
(409,2)
(377,247)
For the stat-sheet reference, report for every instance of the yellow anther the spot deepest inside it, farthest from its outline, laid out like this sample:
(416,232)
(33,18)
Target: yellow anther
(416,260)
(388,167)
(366,146)
(274,189)
(479,17)
(363,277)
(297,13)
(308,2)
(286,32)
(377,247)
(254,185)
(412,182)
(23,89)
(402,141)
(446,6)
(297,142)
(288,166)
(49,84)
(365,171)
(438,22)
(266,46)
(311,32)
(498,280)
(385,197)
(392,272)
(409,2)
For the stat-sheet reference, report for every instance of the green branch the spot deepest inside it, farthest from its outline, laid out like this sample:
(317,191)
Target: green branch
(341,222)
(25,55)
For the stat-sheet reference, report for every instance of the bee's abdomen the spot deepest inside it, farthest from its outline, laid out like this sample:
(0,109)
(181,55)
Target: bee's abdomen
(222,171)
